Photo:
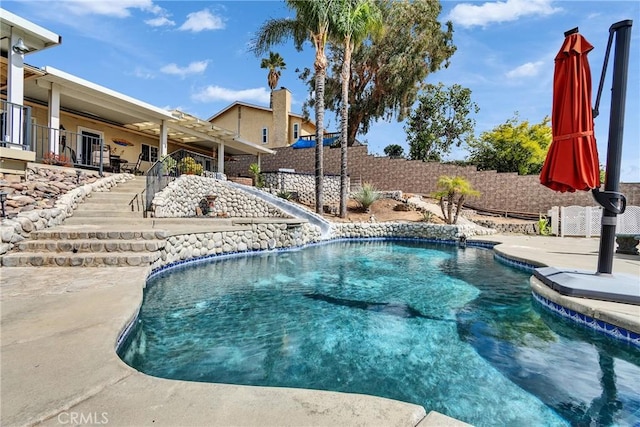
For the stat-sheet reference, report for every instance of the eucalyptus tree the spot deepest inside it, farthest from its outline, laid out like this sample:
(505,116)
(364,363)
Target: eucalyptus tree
(312,23)
(388,74)
(355,20)
(274,63)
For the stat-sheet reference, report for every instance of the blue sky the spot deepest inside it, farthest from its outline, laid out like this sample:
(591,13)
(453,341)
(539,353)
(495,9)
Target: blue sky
(193,55)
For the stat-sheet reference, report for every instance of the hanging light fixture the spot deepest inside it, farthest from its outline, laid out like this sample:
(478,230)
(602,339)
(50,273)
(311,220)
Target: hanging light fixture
(20,47)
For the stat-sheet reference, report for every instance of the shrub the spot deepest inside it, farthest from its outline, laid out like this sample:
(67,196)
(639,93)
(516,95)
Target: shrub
(169,165)
(189,166)
(427,216)
(258,179)
(284,194)
(52,158)
(366,196)
(543,226)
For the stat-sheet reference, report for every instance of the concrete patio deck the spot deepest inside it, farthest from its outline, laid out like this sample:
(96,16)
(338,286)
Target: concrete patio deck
(59,366)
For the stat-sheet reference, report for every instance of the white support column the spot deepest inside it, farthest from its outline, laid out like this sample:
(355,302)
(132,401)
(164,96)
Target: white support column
(221,158)
(15,92)
(164,131)
(54,118)
(259,155)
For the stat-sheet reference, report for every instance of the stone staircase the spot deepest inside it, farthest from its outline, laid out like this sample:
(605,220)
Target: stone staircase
(103,231)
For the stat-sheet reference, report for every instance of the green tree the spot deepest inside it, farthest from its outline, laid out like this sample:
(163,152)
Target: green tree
(440,120)
(355,20)
(394,151)
(388,73)
(514,146)
(451,192)
(274,63)
(311,23)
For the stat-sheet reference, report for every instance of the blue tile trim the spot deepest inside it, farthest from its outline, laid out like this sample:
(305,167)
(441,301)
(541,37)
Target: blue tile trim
(127,330)
(521,265)
(192,261)
(589,322)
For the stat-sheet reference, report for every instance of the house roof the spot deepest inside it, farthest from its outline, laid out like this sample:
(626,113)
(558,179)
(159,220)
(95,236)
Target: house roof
(92,100)
(246,104)
(34,36)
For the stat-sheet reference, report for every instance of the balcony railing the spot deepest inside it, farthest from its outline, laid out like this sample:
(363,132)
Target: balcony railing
(73,149)
(14,125)
(52,146)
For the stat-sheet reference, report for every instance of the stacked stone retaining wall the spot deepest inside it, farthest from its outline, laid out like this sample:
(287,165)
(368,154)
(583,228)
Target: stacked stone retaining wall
(505,192)
(182,196)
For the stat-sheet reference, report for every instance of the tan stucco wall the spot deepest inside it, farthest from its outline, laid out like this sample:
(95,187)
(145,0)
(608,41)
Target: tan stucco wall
(252,120)
(73,123)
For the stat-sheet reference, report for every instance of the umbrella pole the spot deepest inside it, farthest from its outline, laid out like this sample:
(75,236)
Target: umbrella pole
(614,148)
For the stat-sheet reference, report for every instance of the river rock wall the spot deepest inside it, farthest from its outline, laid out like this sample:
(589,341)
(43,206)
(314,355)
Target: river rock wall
(182,196)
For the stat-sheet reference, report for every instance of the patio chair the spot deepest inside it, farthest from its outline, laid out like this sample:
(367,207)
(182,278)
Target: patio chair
(133,168)
(106,159)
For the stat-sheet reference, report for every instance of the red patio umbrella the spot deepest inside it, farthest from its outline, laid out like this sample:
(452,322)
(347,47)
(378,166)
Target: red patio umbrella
(572,160)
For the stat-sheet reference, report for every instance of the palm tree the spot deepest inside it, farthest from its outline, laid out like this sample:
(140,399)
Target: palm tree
(355,20)
(453,191)
(312,22)
(274,63)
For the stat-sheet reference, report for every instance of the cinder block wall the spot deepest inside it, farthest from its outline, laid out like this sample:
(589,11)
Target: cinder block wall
(501,191)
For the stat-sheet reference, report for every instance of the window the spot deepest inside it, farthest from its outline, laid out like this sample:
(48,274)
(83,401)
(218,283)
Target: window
(265,135)
(149,153)
(296,131)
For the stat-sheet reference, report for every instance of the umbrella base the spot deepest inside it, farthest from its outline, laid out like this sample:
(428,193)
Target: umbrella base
(619,287)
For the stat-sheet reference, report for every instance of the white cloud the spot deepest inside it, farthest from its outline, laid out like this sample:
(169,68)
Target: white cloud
(202,20)
(142,73)
(115,8)
(160,21)
(216,93)
(469,15)
(197,67)
(530,69)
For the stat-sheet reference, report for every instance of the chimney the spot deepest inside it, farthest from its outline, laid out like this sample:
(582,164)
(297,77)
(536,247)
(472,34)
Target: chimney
(280,117)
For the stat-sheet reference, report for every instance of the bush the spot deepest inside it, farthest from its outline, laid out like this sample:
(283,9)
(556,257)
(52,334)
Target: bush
(189,166)
(366,196)
(427,216)
(284,195)
(169,165)
(258,179)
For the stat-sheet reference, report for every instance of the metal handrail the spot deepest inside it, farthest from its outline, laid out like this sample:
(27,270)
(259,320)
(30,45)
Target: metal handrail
(172,166)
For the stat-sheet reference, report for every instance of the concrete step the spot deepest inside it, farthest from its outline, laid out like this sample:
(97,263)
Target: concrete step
(103,213)
(105,206)
(45,259)
(100,196)
(60,233)
(73,246)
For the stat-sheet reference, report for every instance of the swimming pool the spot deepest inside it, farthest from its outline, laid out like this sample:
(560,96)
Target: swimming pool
(431,324)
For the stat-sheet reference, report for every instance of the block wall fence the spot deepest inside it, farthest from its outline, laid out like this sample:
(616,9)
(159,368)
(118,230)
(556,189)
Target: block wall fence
(507,192)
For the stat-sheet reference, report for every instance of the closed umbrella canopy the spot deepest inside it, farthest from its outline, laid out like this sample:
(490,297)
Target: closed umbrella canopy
(572,161)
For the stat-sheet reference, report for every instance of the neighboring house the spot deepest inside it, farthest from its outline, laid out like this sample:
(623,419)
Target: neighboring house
(48,115)
(272,127)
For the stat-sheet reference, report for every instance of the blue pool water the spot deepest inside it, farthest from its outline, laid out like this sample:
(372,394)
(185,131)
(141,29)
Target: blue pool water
(449,329)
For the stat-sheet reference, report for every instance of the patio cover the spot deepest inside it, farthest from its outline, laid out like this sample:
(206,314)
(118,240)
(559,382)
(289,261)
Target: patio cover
(94,101)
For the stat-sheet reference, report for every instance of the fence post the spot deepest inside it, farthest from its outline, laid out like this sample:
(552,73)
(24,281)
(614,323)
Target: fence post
(587,220)
(563,221)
